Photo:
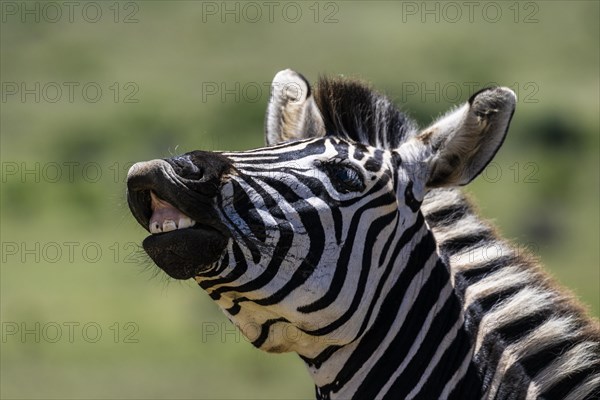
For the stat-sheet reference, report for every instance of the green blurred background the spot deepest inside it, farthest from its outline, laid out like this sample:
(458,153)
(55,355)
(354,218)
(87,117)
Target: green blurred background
(101,85)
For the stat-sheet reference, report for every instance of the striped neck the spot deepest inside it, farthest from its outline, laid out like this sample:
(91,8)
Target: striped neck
(394,356)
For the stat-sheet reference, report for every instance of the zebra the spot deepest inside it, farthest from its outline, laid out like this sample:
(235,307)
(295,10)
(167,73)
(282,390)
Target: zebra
(348,241)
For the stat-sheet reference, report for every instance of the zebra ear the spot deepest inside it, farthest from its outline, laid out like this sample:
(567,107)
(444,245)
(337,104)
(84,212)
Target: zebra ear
(292,113)
(458,146)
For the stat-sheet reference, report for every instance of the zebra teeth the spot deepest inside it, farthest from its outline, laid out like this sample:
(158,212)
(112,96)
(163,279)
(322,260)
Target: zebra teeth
(155,227)
(165,217)
(169,225)
(185,222)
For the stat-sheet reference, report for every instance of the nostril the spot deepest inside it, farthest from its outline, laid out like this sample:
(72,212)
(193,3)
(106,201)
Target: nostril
(185,168)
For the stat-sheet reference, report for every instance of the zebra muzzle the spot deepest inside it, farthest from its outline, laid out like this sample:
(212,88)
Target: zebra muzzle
(187,238)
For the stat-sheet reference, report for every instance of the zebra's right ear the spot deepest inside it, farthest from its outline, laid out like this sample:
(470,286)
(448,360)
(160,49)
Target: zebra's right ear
(292,113)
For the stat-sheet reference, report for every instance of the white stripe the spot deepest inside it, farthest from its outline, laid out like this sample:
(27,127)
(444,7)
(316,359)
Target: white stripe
(458,375)
(568,363)
(503,279)
(526,302)
(547,334)
(412,292)
(443,297)
(450,336)
(586,388)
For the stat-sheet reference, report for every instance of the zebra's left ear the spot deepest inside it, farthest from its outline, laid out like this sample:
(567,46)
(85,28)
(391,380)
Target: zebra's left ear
(292,113)
(458,146)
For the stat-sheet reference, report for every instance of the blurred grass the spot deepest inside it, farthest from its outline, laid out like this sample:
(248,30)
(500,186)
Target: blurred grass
(550,206)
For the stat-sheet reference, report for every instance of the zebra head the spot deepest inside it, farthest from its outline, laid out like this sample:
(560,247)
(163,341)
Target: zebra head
(297,241)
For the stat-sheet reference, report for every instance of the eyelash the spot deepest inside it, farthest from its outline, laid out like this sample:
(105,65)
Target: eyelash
(351,180)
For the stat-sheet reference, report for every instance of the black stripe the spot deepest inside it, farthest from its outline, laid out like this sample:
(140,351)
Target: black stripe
(385,317)
(388,242)
(321,357)
(475,274)
(338,224)
(268,151)
(286,236)
(317,189)
(238,192)
(218,270)
(362,284)
(464,241)
(534,363)
(447,215)
(404,339)
(340,271)
(487,360)
(470,386)
(409,198)
(490,352)
(314,231)
(406,237)
(264,169)
(246,210)
(517,329)
(561,389)
(264,331)
(240,267)
(513,387)
(494,299)
(448,364)
(234,309)
(293,151)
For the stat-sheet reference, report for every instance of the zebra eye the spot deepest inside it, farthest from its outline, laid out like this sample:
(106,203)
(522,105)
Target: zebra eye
(345,179)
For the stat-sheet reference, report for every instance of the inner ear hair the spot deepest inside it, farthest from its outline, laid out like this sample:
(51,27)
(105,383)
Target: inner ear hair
(464,141)
(292,113)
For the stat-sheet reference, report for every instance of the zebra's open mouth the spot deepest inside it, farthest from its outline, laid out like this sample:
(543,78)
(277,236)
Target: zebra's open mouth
(178,245)
(185,239)
(165,217)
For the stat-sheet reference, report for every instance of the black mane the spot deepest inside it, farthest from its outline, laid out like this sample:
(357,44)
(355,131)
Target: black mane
(351,109)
